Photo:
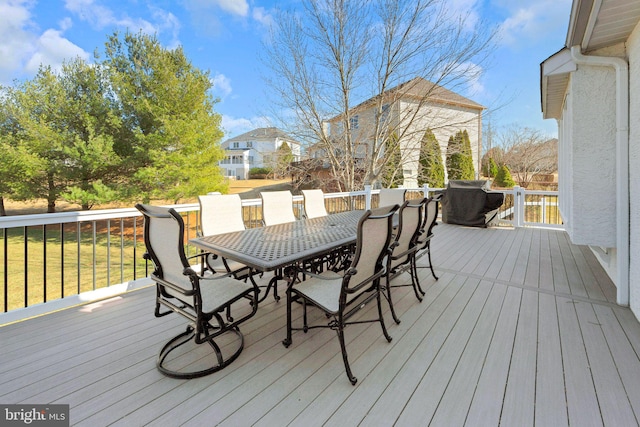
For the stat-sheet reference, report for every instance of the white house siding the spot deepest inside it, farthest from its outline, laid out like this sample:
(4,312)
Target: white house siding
(591,156)
(444,122)
(633,50)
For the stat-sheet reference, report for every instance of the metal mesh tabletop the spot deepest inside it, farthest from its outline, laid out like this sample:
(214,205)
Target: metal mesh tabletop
(275,246)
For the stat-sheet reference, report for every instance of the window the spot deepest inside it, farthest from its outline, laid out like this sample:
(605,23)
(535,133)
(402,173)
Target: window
(236,145)
(353,122)
(249,144)
(385,113)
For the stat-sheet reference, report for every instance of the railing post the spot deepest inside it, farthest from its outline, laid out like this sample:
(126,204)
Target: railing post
(518,206)
(367,196)
(425,190)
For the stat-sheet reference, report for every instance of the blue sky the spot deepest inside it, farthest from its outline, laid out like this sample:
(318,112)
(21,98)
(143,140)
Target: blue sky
(225,37)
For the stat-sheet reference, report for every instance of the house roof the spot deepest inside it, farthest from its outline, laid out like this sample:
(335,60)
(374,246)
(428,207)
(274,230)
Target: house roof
(418,88)
(592,25)
(262,133)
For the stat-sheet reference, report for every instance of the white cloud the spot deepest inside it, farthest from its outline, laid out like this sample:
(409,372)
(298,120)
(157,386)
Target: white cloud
(22,50)
(466,10)
(235,126)
(52,49)
(264,18)
(221,85)
(235,7)
(473,73)
(100,17)
(532,22)
(15,19)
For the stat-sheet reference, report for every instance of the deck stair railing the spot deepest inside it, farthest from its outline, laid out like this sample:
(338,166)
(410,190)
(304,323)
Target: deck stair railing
(51,261)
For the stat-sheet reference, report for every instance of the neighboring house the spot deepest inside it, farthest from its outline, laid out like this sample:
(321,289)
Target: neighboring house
(255,149)
(439,109)
(592,88)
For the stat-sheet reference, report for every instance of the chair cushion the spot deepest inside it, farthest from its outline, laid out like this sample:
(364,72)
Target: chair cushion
(324,292)
(216,292)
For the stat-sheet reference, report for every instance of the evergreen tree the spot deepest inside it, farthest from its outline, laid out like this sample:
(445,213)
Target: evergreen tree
(284,157)
(503,177)
(431,167)
(468,170)
(171,135)
(138,125)
(459,157)
(493,168)
(392,177)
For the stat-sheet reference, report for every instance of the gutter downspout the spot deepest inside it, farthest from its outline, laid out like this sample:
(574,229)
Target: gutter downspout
(622,164)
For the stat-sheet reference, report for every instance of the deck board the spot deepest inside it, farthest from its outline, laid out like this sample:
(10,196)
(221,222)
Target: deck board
(521,329)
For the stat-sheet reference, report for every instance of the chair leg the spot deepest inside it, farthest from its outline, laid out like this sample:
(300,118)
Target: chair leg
(414,265)
(430,263)
(287,341)
(388,289)
(428,249)
(343,347)
(380,317)
(213,366)
(414,279)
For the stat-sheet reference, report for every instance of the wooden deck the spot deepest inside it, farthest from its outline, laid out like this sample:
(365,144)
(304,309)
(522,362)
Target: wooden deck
(521,329)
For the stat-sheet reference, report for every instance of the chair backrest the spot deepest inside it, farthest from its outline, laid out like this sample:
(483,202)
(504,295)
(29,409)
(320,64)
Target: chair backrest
(164,239)
(277,207)
(431,215)
(220,213)
(314,203)
(391,196)
(372,245)
(410,222)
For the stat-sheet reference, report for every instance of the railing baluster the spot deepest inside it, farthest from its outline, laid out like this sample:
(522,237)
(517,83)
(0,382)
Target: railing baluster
(109,252)
(5,239)
(121,250)
(78,243)
(26,266)
(61,260)
(93,260)
(44,262)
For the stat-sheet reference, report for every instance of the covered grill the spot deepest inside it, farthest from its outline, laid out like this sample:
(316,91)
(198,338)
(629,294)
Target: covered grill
(470,203)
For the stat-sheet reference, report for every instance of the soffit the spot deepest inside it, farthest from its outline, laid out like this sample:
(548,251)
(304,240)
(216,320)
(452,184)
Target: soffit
(600,23)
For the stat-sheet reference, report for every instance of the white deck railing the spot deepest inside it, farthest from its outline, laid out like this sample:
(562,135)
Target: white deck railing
(51,261)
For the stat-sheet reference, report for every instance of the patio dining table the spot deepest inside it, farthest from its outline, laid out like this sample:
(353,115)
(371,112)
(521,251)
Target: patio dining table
(278,246)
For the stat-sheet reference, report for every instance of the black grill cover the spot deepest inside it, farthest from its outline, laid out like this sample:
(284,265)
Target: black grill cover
(470,203)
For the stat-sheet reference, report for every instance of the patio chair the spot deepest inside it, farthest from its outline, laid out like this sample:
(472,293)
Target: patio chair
(205,301)
(403,250)
(391,196)
(426,233)
(314,203)
(222,214)
(277,207)
(333,293)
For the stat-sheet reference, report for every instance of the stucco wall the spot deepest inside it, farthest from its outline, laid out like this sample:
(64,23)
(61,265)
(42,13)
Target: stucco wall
(593,156)
(633,50)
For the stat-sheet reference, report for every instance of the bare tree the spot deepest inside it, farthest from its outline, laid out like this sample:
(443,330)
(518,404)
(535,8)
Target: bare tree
(334,54)
(527,153)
